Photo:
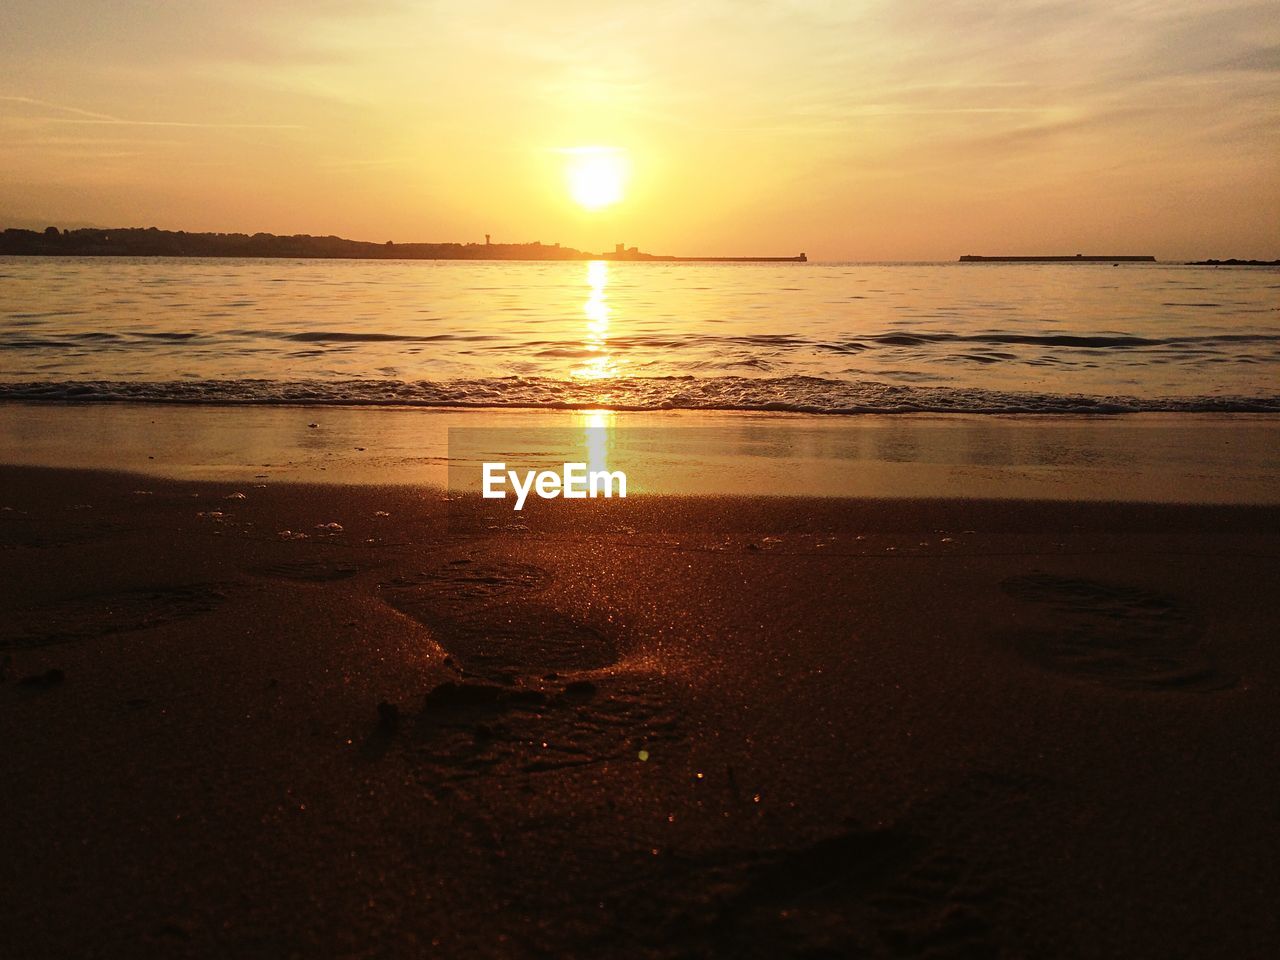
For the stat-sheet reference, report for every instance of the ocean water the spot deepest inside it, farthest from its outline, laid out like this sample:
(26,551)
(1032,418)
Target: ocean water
(826,338)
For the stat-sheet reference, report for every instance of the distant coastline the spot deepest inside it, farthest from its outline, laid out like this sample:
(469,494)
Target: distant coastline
(152,242)
(1077,258)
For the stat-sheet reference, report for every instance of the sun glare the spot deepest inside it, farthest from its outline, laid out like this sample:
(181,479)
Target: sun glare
(596,176)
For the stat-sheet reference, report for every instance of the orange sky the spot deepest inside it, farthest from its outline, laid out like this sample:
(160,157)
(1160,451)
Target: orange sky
(850,130)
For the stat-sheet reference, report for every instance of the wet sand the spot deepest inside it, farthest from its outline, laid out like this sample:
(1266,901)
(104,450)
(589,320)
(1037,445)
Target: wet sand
(1183,458)
(670,727)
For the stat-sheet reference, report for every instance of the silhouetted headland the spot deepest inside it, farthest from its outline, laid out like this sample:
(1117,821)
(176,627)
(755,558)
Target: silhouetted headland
(1078,258)
(151,242)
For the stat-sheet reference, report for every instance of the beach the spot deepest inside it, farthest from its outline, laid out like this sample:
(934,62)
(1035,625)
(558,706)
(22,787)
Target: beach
(897,723)
(677,481)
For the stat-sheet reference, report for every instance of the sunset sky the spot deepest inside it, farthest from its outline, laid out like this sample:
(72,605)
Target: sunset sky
(849,130)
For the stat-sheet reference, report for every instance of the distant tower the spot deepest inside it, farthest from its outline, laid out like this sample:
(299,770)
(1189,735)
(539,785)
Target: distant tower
(618,248)
(486,240)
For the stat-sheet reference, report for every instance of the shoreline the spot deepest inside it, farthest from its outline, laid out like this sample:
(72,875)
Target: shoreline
(1209,458)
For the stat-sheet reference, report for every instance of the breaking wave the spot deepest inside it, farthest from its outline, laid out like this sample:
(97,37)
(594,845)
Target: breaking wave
(814,395)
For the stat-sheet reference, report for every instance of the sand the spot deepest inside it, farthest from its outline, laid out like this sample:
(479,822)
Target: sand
(677,726)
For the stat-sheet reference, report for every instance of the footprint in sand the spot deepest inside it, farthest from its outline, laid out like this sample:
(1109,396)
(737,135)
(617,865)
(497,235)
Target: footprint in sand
(513,710)
(482,614)
(470,728)
(465,582)
(1116,635)
(98,615)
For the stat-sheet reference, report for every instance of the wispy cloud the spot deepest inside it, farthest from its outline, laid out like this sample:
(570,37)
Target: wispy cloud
(76,115)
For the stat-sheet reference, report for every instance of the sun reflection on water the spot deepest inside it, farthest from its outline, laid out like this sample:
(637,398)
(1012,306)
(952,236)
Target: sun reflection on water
(601,362)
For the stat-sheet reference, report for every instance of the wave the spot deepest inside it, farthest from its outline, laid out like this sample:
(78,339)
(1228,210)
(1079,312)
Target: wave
(16,340)
(795,394)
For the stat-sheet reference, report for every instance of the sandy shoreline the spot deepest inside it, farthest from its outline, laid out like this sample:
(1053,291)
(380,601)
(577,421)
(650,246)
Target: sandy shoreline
(1184,458)
(674,727)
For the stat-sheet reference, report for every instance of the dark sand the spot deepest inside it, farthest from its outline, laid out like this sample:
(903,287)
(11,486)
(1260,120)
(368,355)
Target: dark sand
(872,728)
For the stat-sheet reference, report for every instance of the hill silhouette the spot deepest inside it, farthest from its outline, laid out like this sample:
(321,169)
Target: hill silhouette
(152,242)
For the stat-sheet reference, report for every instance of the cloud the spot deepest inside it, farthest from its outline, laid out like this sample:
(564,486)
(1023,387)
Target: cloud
(76,115)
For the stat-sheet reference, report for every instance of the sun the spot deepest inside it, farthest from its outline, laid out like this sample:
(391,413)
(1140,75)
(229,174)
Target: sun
(596,176)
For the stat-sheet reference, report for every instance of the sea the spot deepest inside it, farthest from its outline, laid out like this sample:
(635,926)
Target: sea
(820,338)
